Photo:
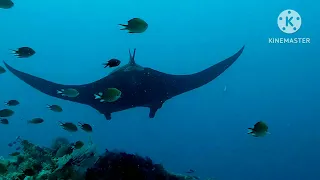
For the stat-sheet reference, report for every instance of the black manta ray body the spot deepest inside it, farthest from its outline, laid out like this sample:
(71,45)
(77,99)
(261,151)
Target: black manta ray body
(140,86)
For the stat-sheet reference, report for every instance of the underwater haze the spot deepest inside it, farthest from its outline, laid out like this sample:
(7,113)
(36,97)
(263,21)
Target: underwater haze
(204,129)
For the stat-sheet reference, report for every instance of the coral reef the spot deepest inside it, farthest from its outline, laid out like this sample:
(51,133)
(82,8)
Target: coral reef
(42,163)
(123,166)
(62,162)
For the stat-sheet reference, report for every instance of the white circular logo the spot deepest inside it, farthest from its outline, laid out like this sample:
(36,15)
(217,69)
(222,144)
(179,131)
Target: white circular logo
(289,21)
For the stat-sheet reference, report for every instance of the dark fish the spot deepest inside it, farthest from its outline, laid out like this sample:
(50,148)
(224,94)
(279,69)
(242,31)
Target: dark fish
(135,25)
(54,108)
(35,121)
(6,4)
(6,113)
(85,127)
(190,171)
(10,144)
(78,145)
(14,154)
(18,148)
(112,63)
(29,172)
(69,126)
(23,52)
(260,129)
(12,103)
(2,70)
(4,121)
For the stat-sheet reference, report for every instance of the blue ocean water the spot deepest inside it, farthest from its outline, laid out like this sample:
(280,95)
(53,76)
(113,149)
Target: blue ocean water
(204,129)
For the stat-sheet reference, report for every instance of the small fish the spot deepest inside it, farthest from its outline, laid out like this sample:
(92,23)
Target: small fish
(4,121)
(54,108)
(18,148)
(29,172)
(23,52)
(70,92)
(112,63)
(225,88)
(190,171)
(14,154)
(10,144)
(6,4)
(135,25)
(78,145)
(35,121)
(2,70)
(109,95)
(12,103)
(260,129)
(69,126)
(85,127)
(6,113)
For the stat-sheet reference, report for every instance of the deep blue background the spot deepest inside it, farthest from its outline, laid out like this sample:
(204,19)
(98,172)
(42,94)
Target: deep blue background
(204,129)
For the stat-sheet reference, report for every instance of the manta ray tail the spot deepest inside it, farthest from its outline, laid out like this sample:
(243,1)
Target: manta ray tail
(132,60)
(47,87)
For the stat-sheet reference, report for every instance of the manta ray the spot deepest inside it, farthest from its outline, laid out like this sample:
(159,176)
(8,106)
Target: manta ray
(140,86)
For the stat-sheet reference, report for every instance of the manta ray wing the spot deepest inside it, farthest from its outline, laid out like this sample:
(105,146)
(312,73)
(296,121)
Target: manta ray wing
(50,88)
